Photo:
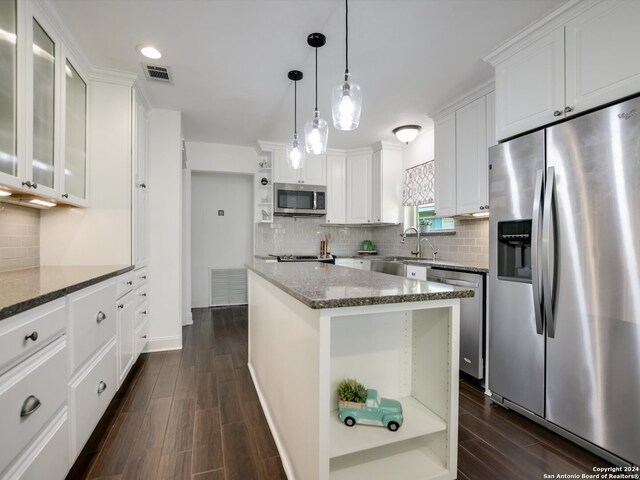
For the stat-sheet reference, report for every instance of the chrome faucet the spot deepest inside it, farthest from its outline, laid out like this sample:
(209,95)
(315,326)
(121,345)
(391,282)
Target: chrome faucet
(415,252)
(433,249)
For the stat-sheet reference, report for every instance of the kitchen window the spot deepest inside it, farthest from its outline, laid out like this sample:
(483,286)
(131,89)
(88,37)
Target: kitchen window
(427,220)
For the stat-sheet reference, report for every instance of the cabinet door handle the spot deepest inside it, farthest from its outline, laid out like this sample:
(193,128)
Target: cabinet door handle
(144,336)
(568,109)
(33,336)
(101,316)
(121,306)
(143,294)
(143,185)
(130,282)
(144,277)
(30,405)
(557,113)
(101,387)
(65,195)
(144,312)
(26,184)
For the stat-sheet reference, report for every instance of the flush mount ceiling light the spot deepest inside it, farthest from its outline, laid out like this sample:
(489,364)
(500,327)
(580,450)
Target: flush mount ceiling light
(407,133)
(346,98)
(295,148)
(149,51)
(316,130)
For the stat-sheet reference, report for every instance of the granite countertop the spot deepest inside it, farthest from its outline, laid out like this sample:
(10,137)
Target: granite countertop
(443,264)
(22,290)
(321,285)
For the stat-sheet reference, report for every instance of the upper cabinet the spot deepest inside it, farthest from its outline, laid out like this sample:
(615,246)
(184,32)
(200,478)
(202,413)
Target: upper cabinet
(462,134)
(386,190)
(140,242)
(313,171)
(43,114)
(358,188)
(577,58)
(336,188)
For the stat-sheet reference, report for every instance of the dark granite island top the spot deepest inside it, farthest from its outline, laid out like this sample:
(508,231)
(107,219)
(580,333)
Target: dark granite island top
(22,290)
(321,285)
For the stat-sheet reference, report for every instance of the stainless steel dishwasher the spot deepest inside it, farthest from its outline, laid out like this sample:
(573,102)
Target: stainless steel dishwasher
(472,318)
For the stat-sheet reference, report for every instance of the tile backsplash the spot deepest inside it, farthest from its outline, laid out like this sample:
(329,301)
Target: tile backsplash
(303,235)
(19,237)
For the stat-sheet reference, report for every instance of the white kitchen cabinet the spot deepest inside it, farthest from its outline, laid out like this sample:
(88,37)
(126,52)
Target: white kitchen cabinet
(386,193)
(336,189)
(462,135)
(140,241)
(8,81)
(445,166)
(126,346)
(472,179)
(577,60)
(313,171)
(359,183)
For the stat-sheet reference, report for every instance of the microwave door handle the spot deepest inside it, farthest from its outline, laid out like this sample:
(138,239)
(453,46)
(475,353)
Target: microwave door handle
(548,252)
(535,245)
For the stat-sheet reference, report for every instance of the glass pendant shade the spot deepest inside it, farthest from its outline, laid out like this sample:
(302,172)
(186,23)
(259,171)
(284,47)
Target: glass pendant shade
(346,105)
(316,134)
(295,153)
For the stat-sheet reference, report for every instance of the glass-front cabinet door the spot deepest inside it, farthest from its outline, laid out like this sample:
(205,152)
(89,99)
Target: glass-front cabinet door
(8,92)
(43,151)
(75,136)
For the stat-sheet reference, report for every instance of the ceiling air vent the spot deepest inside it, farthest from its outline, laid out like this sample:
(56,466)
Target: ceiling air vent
(157,73)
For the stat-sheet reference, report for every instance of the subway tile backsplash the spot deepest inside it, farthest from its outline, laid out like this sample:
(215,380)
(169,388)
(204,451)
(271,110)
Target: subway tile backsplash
(303,235)
(19,237)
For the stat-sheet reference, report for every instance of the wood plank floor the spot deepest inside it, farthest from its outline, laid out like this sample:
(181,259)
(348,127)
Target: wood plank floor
(194,414)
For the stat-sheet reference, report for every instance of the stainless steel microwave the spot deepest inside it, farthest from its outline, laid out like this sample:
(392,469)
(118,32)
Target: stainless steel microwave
(294,199)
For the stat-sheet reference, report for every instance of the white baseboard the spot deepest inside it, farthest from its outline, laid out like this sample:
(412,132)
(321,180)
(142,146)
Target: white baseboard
(161,344)
(286,464)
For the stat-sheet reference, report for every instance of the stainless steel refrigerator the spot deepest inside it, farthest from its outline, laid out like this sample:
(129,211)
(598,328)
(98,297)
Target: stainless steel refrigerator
(564,282)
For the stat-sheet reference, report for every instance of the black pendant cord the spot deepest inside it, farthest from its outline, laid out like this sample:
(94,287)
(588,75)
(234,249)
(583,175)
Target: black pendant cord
(316,79)
(346,40)
(295,108)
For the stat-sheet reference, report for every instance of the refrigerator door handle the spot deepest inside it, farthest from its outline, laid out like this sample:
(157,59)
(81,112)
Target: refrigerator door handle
(535,263)
(548,252)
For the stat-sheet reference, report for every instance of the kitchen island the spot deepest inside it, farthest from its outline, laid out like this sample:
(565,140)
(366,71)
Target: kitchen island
(312,325)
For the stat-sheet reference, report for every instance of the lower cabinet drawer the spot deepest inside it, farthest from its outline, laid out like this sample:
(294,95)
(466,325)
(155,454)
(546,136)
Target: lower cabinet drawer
(30,394)
(48,456)
(416,272)
(90,393)
(142,332)
(92,320)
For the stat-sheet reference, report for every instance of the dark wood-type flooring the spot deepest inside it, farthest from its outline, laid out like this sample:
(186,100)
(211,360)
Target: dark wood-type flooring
(194,414)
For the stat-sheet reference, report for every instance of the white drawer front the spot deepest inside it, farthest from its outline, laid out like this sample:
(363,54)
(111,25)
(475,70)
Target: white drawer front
(125,284)
(27,332)
(48,456)
(29,396)
(417,272)
(90,394)
(142,334)
(92,314)
(140,277)
(141,295)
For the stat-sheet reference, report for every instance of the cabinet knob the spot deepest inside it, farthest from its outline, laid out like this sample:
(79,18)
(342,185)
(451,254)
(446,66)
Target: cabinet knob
(143,294)
(486,207)
(101,316)
(557,113)
(33,336)
(130,282)
(144,312)
(568,109)
(101,387)
(143,185)
(144,277)
(121,306)
(144,336)
(26,184)
(481,207)
(30,405)
(413,274)
(34,185)
(65,195)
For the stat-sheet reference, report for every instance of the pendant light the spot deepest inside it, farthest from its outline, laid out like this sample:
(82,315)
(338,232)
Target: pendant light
(346,98)
(295,148)
(316,130)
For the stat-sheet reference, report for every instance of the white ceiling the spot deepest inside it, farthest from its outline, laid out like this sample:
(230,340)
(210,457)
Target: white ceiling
(230,58)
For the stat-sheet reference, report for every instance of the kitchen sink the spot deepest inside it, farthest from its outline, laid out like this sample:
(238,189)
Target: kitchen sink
(392,267)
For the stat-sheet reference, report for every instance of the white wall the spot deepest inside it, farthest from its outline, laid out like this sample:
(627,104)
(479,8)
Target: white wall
(216,157)
(219,241)
(101,234)
(420,150)
(165,230)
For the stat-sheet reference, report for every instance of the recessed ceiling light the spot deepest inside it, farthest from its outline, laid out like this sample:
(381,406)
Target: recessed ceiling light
(149,51)
(42,203)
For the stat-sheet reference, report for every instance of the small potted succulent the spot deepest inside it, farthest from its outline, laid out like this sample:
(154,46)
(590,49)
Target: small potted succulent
(356,404)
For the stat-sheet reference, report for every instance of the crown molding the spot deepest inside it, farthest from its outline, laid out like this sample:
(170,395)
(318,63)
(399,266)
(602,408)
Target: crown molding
(477,92)
(117,77)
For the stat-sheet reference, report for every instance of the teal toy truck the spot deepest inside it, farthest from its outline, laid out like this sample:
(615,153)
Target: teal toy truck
(375,411)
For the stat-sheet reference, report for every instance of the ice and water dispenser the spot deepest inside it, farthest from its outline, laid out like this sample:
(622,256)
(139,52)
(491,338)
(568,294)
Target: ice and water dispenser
(514,250)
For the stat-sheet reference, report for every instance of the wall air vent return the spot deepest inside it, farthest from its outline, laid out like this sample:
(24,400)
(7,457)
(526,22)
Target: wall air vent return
(227,286)
(157,73)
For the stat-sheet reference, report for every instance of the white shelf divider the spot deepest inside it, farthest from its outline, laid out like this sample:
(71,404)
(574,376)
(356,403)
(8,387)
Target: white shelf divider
(418,421)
